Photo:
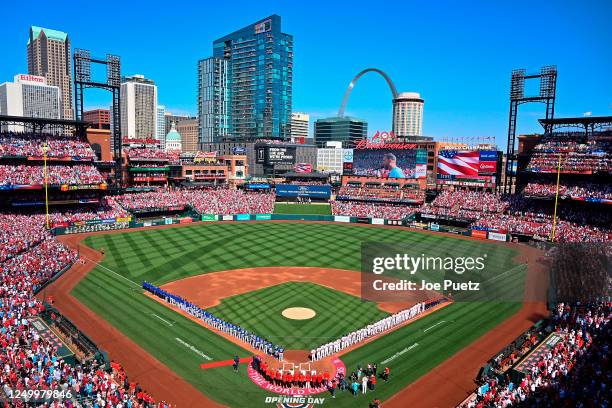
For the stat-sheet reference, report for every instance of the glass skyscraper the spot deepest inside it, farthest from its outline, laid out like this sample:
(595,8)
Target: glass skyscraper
(247,85)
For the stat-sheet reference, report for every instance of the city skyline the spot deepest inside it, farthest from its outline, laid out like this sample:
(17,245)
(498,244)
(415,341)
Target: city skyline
(465,82)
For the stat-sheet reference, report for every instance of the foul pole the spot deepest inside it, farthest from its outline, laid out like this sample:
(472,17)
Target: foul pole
(556,198)
(46,180)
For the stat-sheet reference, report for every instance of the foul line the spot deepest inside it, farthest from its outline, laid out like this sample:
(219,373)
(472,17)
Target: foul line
(437,324)
(113,272)
(163,320)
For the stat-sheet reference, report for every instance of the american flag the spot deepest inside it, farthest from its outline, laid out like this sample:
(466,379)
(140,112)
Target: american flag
(303,168)
(454,163)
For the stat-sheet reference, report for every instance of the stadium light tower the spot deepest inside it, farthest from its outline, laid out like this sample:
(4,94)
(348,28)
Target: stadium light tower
(547,94)
(82,80)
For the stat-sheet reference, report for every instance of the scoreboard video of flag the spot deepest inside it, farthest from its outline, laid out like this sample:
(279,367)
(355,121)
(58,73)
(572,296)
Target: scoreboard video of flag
(472,168)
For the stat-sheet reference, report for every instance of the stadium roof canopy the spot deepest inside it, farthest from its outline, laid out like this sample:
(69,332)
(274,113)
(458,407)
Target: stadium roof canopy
(588,123)
(24,119)
(40,125)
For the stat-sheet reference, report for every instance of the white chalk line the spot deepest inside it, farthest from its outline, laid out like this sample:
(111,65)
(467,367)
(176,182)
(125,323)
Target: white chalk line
(113,272)
(435,325)
(163,320)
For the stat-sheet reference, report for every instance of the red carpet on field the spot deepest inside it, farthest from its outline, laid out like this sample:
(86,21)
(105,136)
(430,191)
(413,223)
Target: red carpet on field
(223,363)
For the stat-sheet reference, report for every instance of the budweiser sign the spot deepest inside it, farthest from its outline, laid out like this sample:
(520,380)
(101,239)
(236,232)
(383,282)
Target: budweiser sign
(367,144)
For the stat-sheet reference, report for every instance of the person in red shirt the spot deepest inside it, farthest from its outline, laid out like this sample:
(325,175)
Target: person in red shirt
(372,382)
(308,379)
(279,378)
(319,379)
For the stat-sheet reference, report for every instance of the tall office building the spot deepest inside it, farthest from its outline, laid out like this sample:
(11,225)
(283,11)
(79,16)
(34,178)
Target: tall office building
(346,130)
(188,129)
(161,125)
(170,118)
(29,96)
(299,127)
(249,79)
(49,57)
(213,99)
(138,107)
(408,114)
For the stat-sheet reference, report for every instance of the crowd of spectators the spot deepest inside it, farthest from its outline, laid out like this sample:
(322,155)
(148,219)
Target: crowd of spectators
(475,201)
(372,210)
(204,201)
(573,372)
(19,233)
(30,145)
(380,193)
(578,154)
(29,259)
(145,153)
(576,190)
(517,215)
(23,174)
(110,210)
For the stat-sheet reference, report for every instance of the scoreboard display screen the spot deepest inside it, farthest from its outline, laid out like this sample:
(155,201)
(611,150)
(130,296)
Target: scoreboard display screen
(270,155)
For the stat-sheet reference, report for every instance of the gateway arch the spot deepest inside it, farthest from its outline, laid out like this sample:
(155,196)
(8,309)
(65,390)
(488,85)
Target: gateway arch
(347,94)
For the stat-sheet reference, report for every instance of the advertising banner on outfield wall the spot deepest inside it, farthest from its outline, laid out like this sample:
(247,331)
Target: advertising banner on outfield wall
(434,227)
(209,217)
(167,221)
(378,221)
(228,218)
(496,236)
(263,217)
(342,218)
(243,217)
(479,234)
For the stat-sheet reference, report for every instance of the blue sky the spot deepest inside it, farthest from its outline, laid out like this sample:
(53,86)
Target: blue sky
(458,55)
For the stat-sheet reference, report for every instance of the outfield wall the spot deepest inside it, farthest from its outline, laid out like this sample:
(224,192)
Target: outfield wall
(429,226)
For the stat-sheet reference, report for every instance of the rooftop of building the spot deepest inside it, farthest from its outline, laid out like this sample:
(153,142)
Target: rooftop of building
(409,96)
(137,78)
(49,33)
(341,119)
(274,20)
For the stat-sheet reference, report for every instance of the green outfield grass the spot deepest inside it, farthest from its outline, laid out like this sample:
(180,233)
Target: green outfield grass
(309,209)
(260,311)
(112,290)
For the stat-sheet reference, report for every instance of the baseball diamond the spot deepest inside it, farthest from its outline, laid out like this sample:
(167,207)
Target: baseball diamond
(167,256)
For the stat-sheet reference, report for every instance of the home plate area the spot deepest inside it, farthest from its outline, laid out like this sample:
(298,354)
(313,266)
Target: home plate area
(310,377)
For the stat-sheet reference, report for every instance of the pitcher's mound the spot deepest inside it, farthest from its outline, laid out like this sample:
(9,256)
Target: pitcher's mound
(299,313)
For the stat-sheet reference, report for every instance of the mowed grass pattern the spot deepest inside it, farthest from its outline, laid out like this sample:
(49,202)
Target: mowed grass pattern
(162,255)
(260,311)
(311,209)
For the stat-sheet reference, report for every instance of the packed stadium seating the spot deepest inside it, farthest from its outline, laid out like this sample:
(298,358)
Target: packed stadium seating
(578,154)
(576,368)
(362,209)
(206,201)
(30,145)
(145,153)
(33,175)
(516,214)
(576,190)
(30,258)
